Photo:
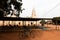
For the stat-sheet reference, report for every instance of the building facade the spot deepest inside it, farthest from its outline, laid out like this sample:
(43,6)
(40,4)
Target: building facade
(20,23)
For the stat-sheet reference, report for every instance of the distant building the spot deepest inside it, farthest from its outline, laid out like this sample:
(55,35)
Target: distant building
(20,23)
(33,14)
(29,23)
(49,22)
(32,23)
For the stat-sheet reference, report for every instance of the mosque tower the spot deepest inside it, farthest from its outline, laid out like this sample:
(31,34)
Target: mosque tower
(33,13)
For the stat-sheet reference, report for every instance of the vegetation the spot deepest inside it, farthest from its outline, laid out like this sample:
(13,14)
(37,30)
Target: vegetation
(42,23)
(56,20)
(5,6)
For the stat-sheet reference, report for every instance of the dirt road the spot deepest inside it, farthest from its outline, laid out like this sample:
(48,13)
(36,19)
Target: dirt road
(33,35)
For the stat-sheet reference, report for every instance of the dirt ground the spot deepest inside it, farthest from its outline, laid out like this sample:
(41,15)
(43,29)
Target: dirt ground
(52,27)
(35,34)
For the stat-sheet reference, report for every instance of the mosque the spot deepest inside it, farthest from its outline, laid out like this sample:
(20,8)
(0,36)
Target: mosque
(20,23)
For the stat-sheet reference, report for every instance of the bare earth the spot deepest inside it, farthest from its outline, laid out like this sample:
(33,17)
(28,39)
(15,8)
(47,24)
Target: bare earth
(35,34)
(52,26)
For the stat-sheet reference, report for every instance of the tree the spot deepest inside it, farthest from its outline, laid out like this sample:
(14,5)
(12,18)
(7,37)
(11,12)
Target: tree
(5,5)
(42,22)
(56,20)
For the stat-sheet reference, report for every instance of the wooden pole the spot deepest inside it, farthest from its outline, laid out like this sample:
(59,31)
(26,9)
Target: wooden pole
(36,23)
(56,25)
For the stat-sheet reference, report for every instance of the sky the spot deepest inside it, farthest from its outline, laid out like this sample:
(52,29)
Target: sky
(43,8)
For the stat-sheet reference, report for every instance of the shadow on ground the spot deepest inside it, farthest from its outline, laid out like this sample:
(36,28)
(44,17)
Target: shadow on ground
(32,34)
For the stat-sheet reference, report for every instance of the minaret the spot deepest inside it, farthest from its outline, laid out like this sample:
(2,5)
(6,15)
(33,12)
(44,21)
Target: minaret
(33,13)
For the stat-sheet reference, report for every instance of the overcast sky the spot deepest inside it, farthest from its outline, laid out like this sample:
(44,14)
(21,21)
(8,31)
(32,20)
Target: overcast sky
(43,8)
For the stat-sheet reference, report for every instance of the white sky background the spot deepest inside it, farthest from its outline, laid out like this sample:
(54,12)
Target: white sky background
(42,8)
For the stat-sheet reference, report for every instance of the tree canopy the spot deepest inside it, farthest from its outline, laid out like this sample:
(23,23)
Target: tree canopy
(5,5)
(56,20)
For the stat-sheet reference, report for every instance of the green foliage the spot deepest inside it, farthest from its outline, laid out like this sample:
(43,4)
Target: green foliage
(42,22)
(6,6)
(56,20)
